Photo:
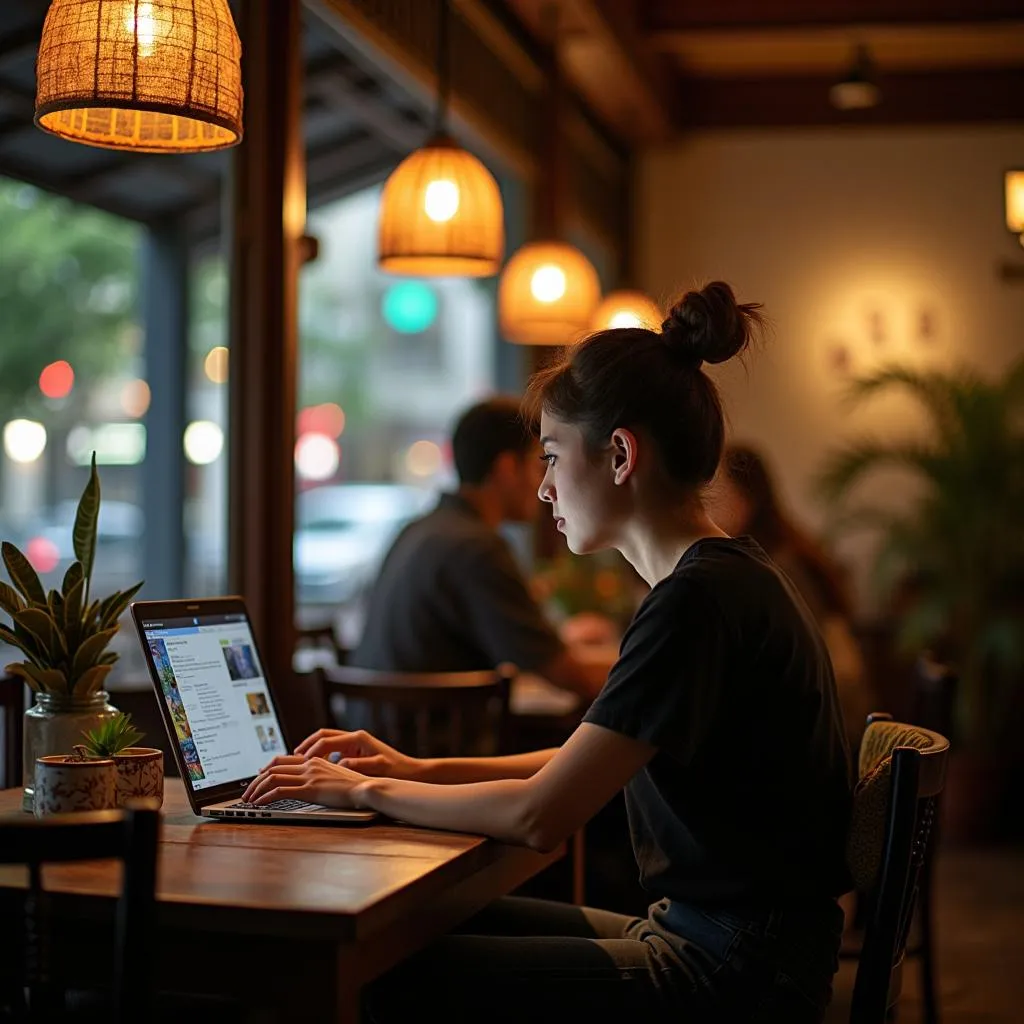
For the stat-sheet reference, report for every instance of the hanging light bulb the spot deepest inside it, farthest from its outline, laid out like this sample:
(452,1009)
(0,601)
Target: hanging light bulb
(625,308)
(547,294)
(155,76)
(441,212)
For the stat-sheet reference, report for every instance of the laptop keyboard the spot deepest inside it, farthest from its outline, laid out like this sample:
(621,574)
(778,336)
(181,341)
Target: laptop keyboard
(278,805)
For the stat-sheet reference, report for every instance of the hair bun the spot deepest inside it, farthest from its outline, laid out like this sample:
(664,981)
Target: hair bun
(710,325)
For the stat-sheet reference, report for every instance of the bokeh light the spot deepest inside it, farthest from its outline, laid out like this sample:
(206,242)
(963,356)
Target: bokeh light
(57,379)
(316,456)
(24,440)
(215,365)
(424,458)
(135,397)
(327,418)
(409,307)
(204,441)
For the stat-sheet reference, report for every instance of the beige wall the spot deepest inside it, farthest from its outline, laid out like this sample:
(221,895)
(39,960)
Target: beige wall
(851,239)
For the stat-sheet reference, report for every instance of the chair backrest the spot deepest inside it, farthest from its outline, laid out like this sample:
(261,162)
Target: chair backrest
(902,772)
(25,954)
(323,638)
(12,708)
(426,714)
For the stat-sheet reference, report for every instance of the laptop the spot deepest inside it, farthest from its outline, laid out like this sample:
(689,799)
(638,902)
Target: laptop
(219,709)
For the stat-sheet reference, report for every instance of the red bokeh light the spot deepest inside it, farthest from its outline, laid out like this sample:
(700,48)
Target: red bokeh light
(327,419)
(57,379)
(42,554)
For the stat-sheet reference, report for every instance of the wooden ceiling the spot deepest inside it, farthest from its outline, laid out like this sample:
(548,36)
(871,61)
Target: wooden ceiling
(651,69)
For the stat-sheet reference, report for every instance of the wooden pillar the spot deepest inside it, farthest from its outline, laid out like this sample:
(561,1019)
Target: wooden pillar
(165,320)
(269,214)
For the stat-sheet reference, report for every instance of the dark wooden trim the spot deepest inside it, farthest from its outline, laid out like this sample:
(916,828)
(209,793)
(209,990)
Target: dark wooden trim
(796,101)
(675,16)
(269,214)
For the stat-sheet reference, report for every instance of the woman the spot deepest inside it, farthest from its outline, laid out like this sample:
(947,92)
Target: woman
(746,502)
(719,719)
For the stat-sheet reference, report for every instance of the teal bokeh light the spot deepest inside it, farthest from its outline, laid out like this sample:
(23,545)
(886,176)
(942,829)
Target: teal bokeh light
(409,307)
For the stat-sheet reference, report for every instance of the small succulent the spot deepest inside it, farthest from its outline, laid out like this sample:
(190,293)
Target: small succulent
(63,635)
(114,735)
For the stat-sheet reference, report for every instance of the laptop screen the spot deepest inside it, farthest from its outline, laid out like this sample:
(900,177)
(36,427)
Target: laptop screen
(220,704)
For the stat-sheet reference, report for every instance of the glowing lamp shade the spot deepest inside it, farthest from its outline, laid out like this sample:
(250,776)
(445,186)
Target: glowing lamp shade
(626,309)
(155,76)
(547,294)
(441,215)
(1014,201)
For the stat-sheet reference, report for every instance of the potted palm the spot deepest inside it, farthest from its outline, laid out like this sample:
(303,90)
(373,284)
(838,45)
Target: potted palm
(63,636)
(956,555)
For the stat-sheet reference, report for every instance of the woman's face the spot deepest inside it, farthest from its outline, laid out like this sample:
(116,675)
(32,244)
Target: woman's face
(579,486)
(728,505)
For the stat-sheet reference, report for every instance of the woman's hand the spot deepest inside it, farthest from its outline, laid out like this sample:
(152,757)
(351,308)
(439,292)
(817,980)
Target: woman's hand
(315,780)
(361,752)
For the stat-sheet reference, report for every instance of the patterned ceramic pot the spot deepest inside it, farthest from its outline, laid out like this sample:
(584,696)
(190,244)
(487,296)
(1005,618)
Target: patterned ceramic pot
(64,783)
(140,773)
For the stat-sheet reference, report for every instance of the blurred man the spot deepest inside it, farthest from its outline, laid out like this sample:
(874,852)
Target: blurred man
(450,596)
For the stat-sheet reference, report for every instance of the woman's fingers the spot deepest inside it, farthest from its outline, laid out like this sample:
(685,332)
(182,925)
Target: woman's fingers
(320,734)
(286,775)
(285,792)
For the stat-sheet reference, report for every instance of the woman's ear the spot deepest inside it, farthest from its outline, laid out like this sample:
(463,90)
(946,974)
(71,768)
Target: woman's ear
(624,454)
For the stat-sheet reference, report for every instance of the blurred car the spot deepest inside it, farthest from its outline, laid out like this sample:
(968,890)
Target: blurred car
(342,534)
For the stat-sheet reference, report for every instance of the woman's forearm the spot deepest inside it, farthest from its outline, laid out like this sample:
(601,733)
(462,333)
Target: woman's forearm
(456,770)
(498,808)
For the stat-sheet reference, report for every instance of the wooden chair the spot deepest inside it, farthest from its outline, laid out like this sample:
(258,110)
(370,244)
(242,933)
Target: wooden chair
(436,714)
(26,959)
(324,638)
(902,771)
(12,705)
(426,714)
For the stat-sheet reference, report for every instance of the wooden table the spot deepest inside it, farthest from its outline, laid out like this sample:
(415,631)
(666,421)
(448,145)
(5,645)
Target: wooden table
(293,919)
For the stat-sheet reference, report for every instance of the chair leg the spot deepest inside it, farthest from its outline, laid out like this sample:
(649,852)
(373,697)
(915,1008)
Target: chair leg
(930,1004)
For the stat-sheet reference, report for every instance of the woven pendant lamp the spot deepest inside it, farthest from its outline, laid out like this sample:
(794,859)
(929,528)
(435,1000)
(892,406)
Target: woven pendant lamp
(441,215)
(627,308)
(547,294)
(154,76)
(440,212)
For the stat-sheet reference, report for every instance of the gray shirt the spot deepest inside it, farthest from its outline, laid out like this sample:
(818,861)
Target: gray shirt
(450,598)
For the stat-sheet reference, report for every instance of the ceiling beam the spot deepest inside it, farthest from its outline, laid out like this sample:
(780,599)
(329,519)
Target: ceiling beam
(612,41)
(369,105)
(933,98)
(667,16)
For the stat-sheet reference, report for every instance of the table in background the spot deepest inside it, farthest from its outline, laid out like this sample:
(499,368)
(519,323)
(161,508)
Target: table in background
(293,918)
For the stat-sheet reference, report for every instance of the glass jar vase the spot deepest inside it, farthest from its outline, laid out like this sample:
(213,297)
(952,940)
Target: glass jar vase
(54,724)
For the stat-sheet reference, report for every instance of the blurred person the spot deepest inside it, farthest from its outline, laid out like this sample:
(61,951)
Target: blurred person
(720,719)
(746,501)
(450,595)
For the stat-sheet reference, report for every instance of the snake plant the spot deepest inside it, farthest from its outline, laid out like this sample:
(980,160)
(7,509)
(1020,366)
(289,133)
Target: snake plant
(63,635)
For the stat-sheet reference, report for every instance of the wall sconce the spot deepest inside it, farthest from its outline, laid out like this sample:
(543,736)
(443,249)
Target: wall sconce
(1013,203)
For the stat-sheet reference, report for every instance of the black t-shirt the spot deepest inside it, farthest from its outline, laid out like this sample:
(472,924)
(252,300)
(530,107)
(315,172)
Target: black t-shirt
(747,799)
(451,598)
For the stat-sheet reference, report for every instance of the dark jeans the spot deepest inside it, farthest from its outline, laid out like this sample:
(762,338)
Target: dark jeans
(534,961)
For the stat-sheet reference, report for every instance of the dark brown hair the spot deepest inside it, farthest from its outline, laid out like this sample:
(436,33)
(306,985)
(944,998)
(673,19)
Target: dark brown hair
(484,431)
(637,378)
(775,531)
